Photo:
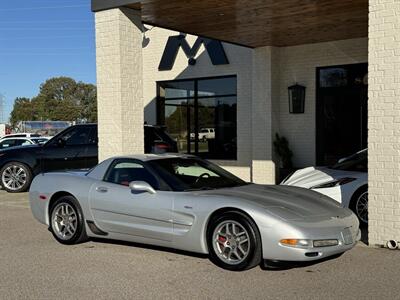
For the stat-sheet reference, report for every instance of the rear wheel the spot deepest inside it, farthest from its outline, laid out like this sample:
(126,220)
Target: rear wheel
(67,221)
(15,177)
(234,242)
(359,205)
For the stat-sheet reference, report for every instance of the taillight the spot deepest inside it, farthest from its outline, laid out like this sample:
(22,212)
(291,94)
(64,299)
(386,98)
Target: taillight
(161,148)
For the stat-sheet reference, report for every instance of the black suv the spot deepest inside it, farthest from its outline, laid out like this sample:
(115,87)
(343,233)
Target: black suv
(73,148)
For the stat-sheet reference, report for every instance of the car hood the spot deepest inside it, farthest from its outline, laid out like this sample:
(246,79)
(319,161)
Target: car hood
(312,176)
(289,203)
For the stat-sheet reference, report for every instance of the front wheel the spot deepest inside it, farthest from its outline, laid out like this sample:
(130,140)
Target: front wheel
(15,177)
(234,242)
(67,221)
(359,205)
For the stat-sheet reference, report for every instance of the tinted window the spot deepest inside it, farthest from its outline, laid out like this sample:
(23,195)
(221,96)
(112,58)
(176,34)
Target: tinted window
(93,139)
(76,136)
(39,140)
(333,77)
(203,106)
(217,87)
(22,143)
(125,171)
(14,142)
(357,162)
(177,89)
(7,143)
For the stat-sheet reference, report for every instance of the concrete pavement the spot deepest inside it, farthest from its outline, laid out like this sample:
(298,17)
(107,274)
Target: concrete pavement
(34,266)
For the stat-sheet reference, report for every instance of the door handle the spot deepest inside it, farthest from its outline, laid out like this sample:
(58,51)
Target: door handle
(102,189)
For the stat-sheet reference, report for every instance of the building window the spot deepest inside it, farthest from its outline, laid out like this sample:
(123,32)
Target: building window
(201,115)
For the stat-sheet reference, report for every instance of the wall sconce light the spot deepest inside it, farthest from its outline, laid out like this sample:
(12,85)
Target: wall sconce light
(297,95)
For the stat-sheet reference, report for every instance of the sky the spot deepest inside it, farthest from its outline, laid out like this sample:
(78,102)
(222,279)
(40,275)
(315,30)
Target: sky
(40,39)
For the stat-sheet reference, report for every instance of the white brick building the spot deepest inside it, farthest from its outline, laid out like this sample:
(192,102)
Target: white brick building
(329,50)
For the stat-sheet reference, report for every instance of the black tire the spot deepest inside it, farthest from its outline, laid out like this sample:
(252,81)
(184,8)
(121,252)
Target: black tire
(362,191)
(79,234)
(18,184)
(254,255)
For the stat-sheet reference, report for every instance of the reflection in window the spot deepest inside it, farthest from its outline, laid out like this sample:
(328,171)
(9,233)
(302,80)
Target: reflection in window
(333,77)
(125,171)
(201,115)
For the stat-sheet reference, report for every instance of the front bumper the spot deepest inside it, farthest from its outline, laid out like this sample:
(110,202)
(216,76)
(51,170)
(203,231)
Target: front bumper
(347,234)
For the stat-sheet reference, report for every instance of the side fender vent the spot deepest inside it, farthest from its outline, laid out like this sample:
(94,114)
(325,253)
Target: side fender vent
(95,229)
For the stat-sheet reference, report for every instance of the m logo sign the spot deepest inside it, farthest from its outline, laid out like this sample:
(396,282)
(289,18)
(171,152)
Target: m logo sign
(214,48)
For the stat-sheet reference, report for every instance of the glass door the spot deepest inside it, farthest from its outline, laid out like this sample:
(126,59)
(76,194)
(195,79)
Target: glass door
(341,116)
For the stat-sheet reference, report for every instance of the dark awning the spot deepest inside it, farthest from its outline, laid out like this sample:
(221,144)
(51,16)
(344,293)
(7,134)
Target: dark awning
(255,23)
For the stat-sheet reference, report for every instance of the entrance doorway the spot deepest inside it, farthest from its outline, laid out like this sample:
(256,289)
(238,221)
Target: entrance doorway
(341,112)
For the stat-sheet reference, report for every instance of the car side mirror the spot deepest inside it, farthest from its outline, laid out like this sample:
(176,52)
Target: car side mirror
(141,186)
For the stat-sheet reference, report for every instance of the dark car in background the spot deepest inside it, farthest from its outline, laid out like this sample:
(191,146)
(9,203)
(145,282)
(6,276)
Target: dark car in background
(72,149)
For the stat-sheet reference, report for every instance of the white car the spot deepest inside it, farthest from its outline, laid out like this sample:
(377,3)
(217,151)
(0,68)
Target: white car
(9,142)
(20,135)
(204,134)
(346,182)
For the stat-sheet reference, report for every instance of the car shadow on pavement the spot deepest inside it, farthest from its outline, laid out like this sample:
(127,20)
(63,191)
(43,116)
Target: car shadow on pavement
(264,265)
(269,265)
(150,247)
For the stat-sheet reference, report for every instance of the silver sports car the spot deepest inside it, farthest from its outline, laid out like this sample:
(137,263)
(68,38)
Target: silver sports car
(184,202)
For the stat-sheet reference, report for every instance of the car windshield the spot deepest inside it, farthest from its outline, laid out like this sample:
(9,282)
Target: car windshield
(187,174)
(357,162)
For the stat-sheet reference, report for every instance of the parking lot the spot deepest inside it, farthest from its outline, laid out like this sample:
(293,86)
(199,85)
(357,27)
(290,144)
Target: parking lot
(33,265)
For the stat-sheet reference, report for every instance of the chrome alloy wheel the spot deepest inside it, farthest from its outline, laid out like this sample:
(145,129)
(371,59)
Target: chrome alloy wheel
(64,221)
(231,242)
(14,177)
(362,207)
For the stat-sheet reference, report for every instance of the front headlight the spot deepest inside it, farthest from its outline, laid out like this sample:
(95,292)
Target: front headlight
(308,244)
(297,243)
(325,243)
(333,183)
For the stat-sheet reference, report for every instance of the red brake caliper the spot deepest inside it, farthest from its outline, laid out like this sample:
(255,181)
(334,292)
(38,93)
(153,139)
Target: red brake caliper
(221,239)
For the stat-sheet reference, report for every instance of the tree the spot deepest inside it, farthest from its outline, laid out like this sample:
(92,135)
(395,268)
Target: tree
(23,110)
(59,99)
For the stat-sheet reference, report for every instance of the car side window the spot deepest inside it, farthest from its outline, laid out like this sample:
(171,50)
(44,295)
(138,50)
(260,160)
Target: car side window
(23,143)
(125,171)
(7,143)
(76,136)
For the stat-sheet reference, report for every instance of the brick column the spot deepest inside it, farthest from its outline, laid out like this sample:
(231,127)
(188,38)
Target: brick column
(384,121)
(119,82)
(264,114)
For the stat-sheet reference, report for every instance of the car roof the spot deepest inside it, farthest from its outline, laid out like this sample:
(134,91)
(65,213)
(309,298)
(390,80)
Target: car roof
(18,138)
(149,157)
(20,134)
